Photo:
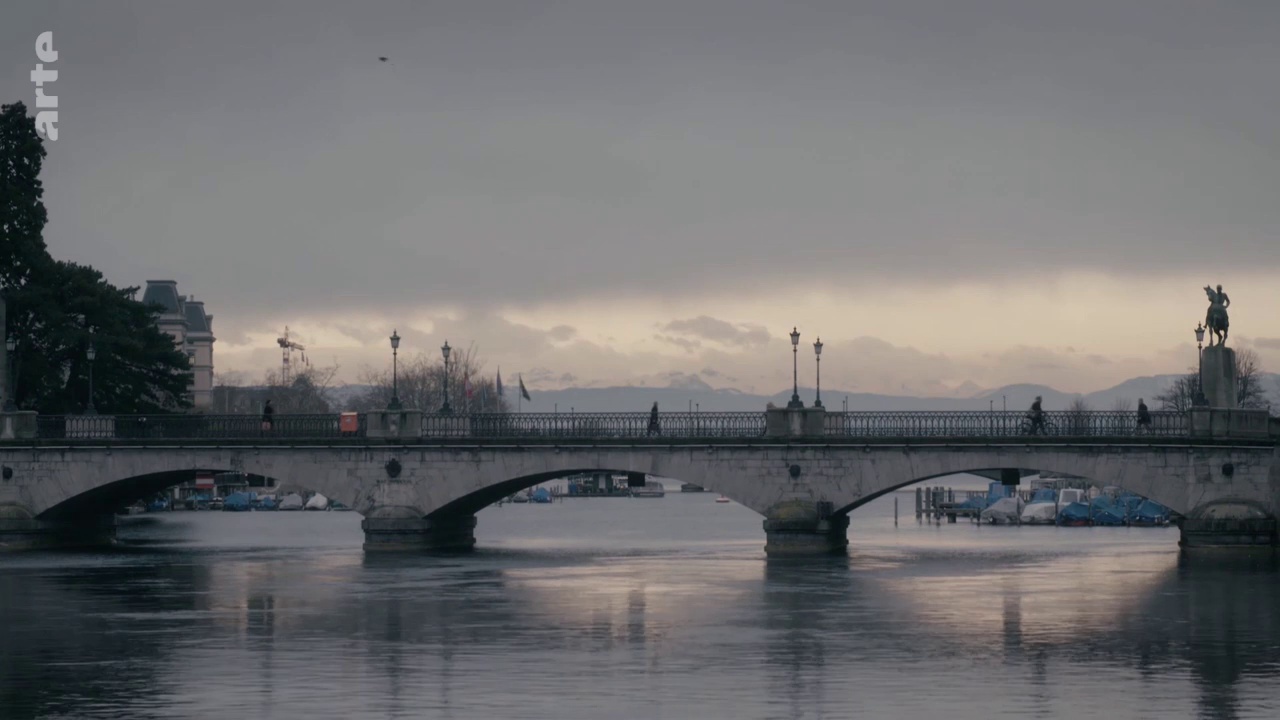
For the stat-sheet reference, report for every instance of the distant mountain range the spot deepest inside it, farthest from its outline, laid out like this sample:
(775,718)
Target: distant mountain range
(706,399)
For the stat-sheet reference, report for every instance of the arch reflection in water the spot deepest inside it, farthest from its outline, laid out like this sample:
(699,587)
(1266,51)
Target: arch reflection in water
(966,622)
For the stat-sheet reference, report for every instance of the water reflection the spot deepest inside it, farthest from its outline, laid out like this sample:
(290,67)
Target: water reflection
(158,632)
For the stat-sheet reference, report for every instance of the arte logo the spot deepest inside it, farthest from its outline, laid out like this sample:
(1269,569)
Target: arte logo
(46,103)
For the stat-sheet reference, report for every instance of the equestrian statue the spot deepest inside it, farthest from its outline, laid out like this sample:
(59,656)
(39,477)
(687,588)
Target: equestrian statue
(1216,318)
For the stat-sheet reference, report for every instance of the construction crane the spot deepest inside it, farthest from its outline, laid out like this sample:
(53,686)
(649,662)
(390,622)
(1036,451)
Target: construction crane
(287,347)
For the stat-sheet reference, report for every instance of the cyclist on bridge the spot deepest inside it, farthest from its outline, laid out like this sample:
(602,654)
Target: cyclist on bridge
(1037,418)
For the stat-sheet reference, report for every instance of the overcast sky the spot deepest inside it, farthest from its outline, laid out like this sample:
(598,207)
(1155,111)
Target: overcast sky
(595,192)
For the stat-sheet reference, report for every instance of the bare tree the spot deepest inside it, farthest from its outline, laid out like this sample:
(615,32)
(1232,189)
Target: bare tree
(308,391)
(1250,392)
(1122,404)
(1180,396)
(420,381)
(1078,416)
(229,395)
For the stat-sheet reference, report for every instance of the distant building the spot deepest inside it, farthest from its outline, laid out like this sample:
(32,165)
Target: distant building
(185,320)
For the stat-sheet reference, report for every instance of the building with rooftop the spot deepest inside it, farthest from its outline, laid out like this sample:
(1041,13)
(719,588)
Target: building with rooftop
(184,319)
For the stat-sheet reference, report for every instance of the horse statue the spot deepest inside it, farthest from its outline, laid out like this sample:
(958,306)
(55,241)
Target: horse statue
(1216,319)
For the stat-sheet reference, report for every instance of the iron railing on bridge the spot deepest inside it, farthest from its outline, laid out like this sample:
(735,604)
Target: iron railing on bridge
(679,425)
(955,424)
(978,423)
(178,426)
(597,425)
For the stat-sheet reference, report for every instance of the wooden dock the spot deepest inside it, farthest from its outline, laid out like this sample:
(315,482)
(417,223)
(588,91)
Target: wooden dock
(935,503)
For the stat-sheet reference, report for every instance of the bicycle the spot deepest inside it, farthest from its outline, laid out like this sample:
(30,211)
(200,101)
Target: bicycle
(1027,426)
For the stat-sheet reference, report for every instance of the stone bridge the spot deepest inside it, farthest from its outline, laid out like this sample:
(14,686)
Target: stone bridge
(419,489)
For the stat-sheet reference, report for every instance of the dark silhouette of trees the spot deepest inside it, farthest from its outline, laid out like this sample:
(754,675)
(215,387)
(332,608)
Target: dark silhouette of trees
(56,308)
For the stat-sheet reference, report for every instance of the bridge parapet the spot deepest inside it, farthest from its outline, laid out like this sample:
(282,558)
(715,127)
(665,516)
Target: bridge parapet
(1220,423)
(393,424)
(802,422)
(774,423)
(19,425)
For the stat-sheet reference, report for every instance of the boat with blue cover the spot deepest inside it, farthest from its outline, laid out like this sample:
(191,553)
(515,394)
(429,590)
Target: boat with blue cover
(1074,514)
(237,502)
(1105,512)
(1150,513)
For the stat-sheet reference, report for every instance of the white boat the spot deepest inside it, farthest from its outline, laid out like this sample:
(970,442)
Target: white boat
(649,490)
(317,502)
(1042,509)
(1004,511)
(1039,513)
(722,499)
(292,501)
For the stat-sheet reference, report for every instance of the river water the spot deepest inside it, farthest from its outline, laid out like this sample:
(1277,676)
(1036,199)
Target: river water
(634,608)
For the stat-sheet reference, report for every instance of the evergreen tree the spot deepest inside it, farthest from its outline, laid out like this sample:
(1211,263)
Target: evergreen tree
(22,214)
(56,308)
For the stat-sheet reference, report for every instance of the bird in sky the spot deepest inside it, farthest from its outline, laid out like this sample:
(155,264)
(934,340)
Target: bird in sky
(382,59)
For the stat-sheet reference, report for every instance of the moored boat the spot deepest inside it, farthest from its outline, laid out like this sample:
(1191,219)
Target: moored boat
(1150,514)
(1043,508)
(649,490)
(1075,514)
(292,501)
(317,502)
(237,502)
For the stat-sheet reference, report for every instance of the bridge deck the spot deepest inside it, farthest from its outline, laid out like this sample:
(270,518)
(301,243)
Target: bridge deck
(1112,429)
(682,427)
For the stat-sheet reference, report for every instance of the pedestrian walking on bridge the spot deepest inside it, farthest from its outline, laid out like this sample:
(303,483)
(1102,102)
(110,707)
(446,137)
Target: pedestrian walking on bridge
(1144,417)
(654,429)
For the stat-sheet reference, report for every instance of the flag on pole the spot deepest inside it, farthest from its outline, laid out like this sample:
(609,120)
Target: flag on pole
(523,392)
(499,383)
(466,387)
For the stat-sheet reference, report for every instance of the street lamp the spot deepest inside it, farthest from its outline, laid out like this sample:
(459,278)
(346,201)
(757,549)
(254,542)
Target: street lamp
(1200,399)
(395,380)
(444,350)
(817,357)
(11,345)
(91,353)
(795,384)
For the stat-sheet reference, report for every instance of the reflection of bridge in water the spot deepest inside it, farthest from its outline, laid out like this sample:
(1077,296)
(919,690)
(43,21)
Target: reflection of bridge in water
(416,635)
(419,480)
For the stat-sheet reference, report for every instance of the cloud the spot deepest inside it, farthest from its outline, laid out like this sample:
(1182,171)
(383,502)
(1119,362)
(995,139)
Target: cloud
(741,335)
(683,343)
(666,157)
(570,156)
(562,333)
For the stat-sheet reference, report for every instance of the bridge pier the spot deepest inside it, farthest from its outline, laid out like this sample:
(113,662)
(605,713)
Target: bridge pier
(19,530)
(1234,526)
(401,529)
(801,527)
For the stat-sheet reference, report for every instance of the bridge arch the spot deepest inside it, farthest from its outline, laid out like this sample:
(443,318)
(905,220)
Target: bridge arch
(414,490)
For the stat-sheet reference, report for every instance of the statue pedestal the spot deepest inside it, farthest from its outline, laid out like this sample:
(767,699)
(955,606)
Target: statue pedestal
(1218,376)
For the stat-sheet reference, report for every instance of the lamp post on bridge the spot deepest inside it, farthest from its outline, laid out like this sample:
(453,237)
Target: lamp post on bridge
(91,353)
(795,403)
(817,357)
(11,345)
(395,382)
(1200,399)
(444,350)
